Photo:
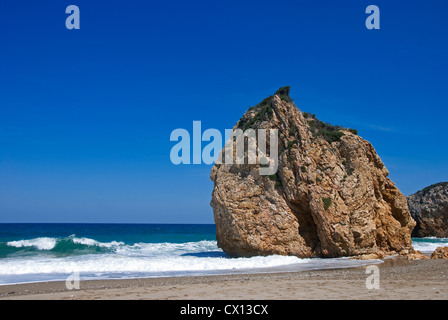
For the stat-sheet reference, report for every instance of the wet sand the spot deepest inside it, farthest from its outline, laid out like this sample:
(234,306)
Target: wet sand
(398,279)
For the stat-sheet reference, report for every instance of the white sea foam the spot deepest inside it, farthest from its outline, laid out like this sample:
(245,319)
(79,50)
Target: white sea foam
(92,242)
(148,260)
(43,243)
(143,257)
(46,243)
(168,248)
(429,244)
(115,263)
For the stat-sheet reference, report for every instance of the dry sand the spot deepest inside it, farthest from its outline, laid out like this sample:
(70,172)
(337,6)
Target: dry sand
(398,279)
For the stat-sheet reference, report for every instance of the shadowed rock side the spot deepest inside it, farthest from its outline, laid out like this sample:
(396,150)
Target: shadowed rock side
(330,197)
(429,208)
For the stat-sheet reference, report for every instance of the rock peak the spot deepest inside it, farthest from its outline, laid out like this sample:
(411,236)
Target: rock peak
(330,196)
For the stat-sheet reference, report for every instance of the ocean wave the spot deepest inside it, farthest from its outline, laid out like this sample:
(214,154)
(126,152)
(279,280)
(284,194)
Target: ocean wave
(92,242)
(59,246)
(73,242)
(429,244)
(121,264)
(168,248)
(54,258)
(73,245)
(121,260)
(118,257)
(43,243)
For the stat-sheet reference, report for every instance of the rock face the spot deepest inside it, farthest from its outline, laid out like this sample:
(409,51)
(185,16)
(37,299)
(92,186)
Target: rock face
(330,196)
(440,253)
(429,208)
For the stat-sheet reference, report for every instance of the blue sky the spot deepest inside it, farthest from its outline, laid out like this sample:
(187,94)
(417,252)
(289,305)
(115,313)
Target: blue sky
(86,115)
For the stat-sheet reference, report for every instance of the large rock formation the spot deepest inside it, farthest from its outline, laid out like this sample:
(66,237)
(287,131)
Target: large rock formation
(330,197)
(440,253)
(429,208)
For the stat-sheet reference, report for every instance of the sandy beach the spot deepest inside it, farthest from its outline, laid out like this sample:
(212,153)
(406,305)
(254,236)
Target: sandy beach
(398,279)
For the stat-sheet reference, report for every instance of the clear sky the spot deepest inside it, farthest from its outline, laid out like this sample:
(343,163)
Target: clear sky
(86,115)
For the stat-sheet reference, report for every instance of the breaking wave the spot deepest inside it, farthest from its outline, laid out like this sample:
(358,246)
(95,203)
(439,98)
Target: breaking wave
(57,246)
(55,258)
(429,244)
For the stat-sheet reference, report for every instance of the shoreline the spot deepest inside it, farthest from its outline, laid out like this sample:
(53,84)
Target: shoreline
(398,279)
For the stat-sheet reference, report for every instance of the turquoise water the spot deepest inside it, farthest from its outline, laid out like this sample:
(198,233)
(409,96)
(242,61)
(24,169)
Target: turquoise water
(77,239)
(429,244)
(48,252)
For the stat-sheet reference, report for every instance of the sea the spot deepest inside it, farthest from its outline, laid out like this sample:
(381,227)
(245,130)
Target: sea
(33,252)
